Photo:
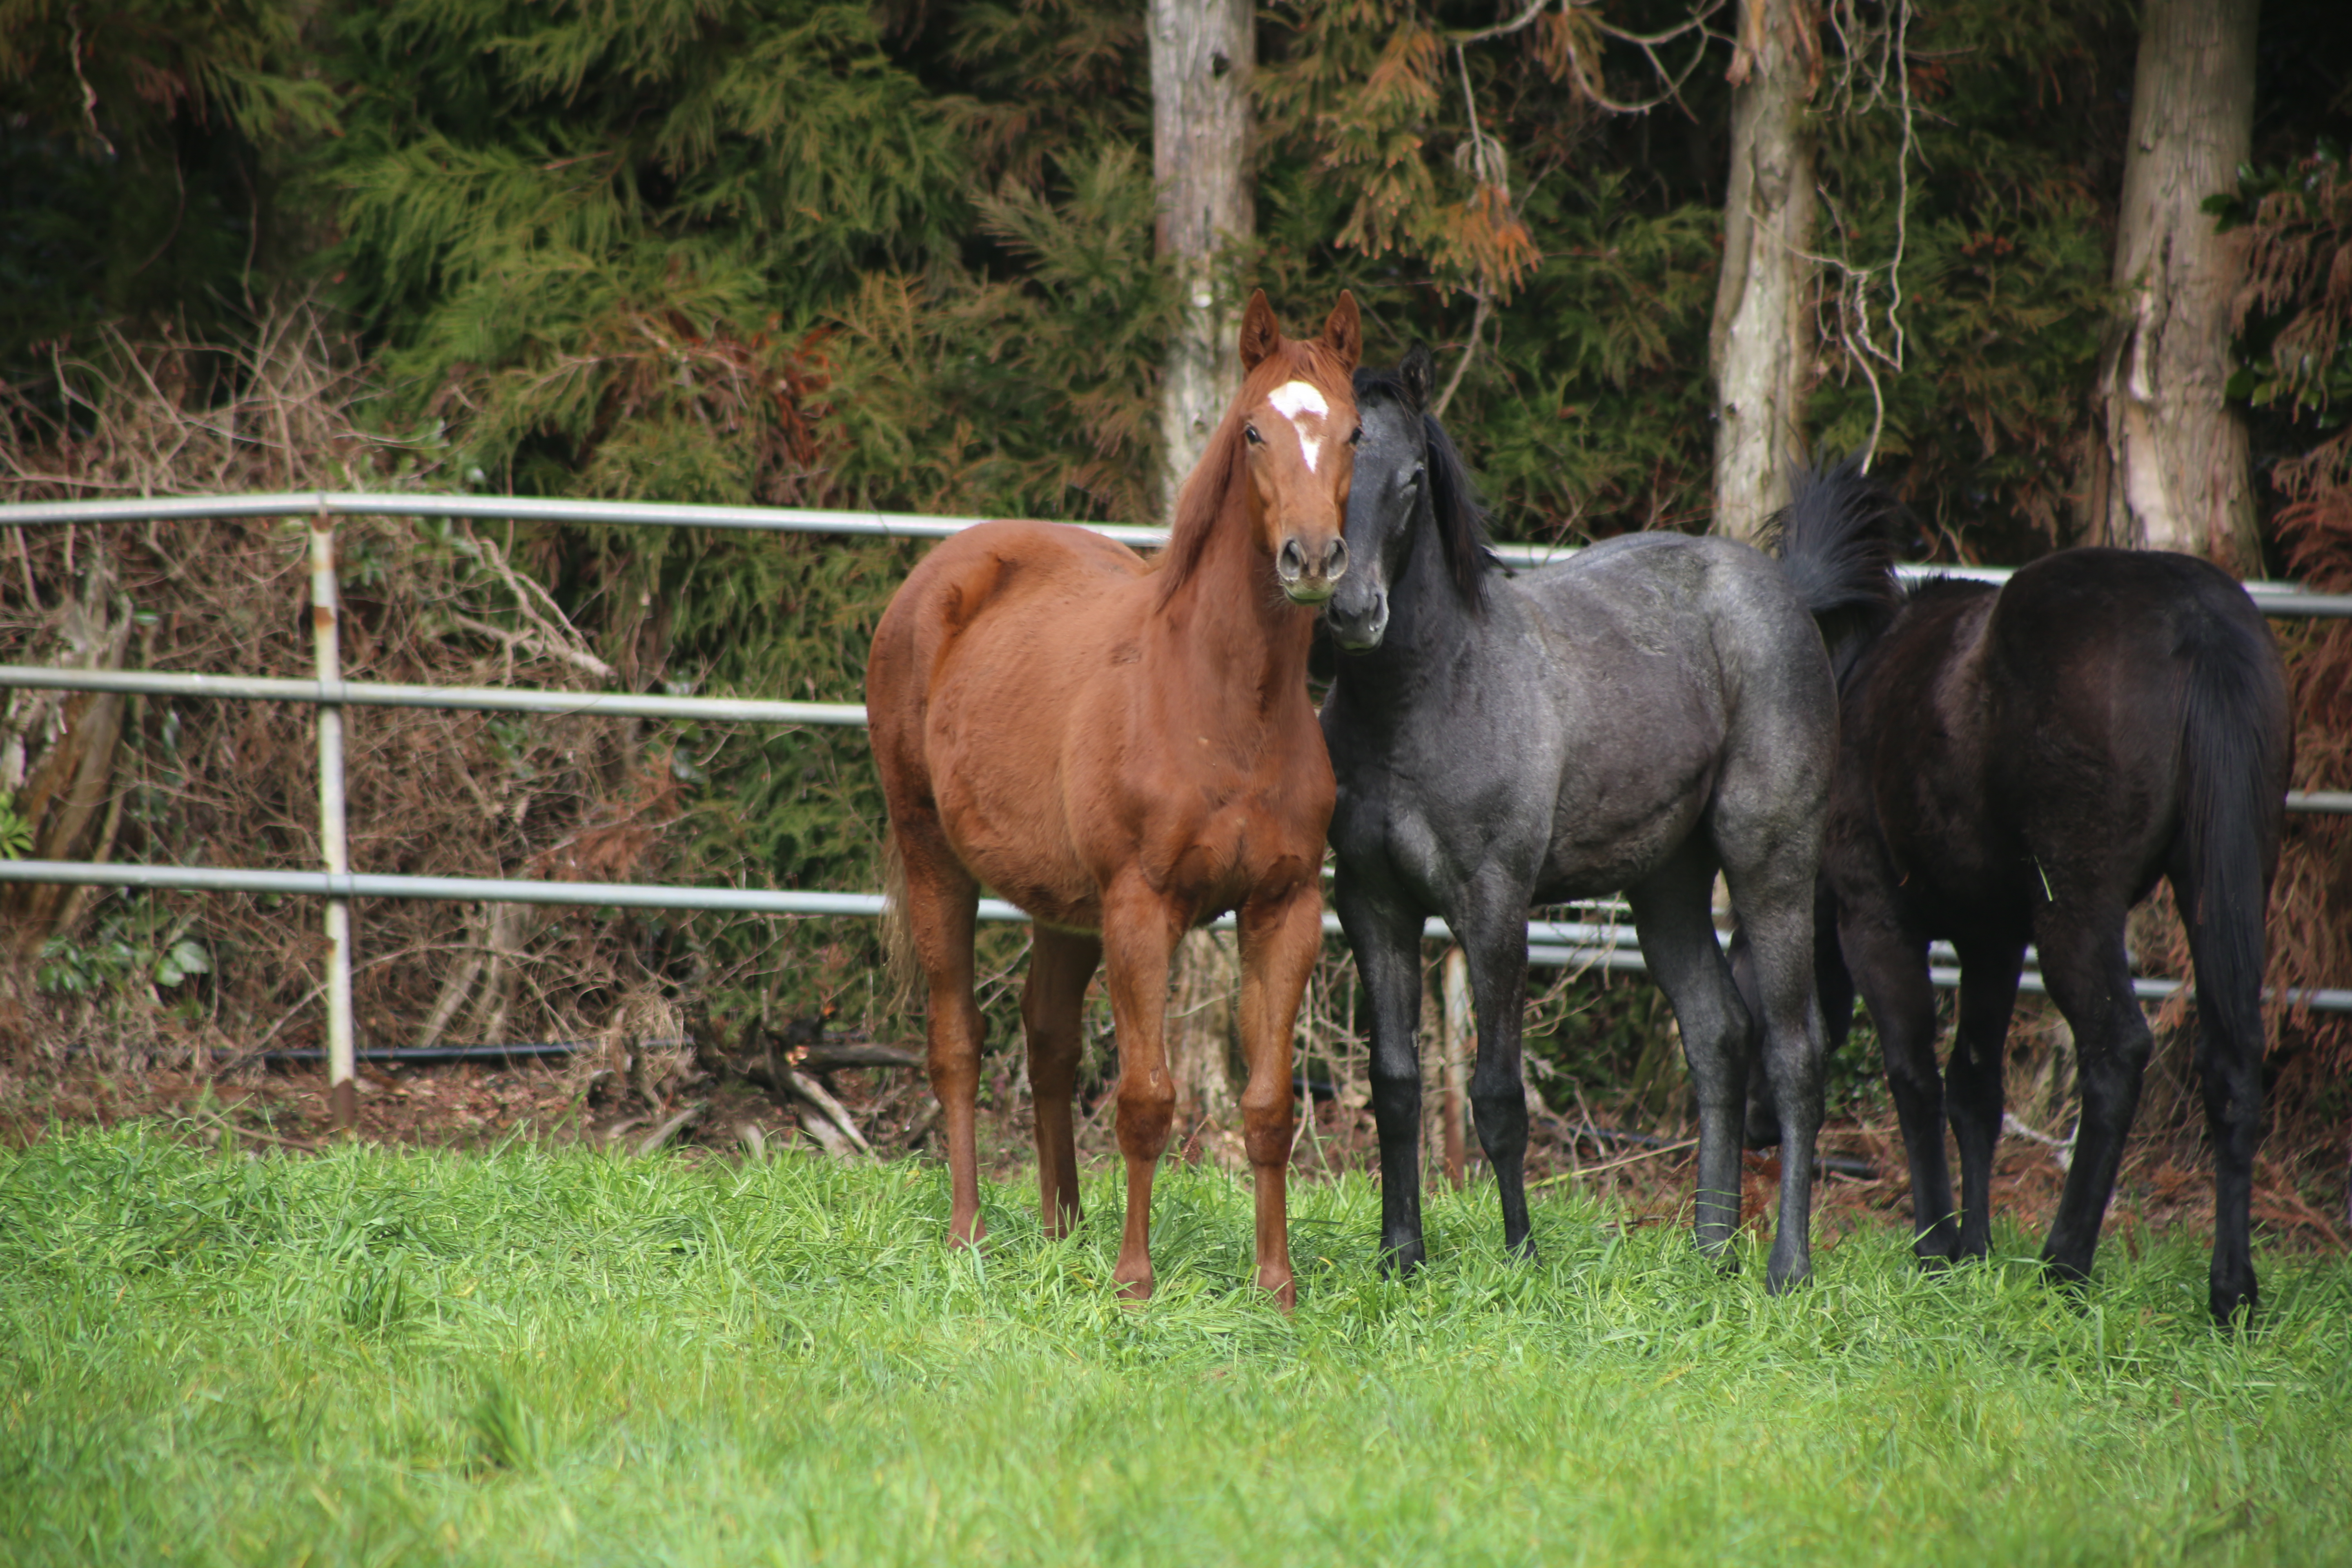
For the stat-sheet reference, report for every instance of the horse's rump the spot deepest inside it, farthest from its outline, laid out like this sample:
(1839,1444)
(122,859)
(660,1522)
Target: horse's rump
(2162,660)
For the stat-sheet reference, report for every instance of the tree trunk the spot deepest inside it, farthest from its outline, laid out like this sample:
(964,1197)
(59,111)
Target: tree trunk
(1459,1043)
(1203,53)
(1759,345)
(69,798)
(1204,1032)
(2172,473)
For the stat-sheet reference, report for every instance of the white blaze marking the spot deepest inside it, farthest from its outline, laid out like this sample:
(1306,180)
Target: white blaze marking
(1294,399)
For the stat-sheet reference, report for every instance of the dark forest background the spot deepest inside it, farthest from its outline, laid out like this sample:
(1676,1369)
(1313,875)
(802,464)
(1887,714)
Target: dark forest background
(901,256)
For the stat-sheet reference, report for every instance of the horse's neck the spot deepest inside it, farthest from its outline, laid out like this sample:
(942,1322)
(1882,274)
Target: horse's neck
(1427,620)
(1230,625)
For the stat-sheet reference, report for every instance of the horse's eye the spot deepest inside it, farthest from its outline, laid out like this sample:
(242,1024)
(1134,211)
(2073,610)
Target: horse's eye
(1414,479)
(1249,433)
(1357,438)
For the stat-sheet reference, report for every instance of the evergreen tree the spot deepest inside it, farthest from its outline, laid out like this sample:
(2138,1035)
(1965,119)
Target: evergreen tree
(142,148)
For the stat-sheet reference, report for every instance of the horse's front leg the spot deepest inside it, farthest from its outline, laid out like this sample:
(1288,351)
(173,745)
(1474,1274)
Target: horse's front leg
(1386,937)
(1889,964)
(1139,933)
(1280,941)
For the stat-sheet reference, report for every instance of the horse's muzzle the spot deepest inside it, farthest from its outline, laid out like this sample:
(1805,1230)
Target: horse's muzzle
(1358,628)
(1308,584)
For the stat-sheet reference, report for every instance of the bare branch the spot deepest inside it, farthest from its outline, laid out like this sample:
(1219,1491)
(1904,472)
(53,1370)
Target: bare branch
(1477,330)
(539,643)
(1524,19)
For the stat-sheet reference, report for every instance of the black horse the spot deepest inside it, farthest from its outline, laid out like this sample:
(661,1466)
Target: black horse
(1657,711)
(2022,763)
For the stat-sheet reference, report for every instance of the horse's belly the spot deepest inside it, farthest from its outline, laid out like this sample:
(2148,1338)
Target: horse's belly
(1608,833)
(993,738)
(1585,863)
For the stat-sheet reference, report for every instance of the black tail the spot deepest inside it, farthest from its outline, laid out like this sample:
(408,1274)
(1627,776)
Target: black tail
(1836,541)
(2235,746)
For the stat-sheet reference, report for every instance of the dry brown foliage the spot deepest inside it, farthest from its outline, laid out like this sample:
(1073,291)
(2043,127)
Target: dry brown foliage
(235,784)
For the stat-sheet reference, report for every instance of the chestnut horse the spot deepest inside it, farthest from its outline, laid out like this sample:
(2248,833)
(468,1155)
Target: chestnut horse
(1127,750)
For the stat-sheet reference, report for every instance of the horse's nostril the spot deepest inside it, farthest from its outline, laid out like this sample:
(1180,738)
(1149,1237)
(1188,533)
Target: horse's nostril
(1334,559)
(1292,562)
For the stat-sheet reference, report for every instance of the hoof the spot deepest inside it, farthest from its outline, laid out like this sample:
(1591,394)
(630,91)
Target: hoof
(1780,1279)
(1938,1249)
(2233,1309)
(962,1236)
(1284,1290)
(1403,1259)
(1134,1293)
(2233,1313)
(2068,1277)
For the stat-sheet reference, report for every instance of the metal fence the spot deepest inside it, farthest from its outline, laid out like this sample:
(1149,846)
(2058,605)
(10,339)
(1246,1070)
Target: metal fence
(1551,943)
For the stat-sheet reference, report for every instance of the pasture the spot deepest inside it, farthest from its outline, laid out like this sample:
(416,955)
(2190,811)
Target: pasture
(547,1355)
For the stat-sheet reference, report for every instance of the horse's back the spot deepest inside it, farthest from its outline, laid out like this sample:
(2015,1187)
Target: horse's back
(1700,686)
(2117,619)
(1728,615)
(1000,588)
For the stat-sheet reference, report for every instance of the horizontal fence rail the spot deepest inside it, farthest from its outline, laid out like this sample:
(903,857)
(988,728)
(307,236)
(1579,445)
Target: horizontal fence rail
(1551,944)
(2274,598)
(565,704)
(1556,944)
(457,698)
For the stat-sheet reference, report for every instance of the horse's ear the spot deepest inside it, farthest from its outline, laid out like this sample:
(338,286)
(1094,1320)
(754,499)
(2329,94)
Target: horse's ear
(1418,371)
(1343,334)
(1260,336)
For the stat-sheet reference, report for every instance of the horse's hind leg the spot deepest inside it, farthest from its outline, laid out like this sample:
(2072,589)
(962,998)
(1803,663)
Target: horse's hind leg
(1671,911)
(2089,976)
(1778,918)
(1060,964)
(941,899)
(1972,1078)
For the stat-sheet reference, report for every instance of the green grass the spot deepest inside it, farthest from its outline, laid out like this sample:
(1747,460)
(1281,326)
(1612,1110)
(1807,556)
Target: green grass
(549,1356)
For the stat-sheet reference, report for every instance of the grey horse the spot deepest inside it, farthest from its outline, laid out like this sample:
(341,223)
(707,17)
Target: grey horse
(1659,709)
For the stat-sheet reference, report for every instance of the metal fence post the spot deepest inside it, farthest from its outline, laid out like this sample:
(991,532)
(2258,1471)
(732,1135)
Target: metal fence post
(342,1089)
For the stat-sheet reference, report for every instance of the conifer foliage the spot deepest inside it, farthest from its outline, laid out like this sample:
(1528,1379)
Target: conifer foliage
(601,239)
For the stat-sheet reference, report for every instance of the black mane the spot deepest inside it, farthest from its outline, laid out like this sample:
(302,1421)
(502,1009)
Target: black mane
(1453,498)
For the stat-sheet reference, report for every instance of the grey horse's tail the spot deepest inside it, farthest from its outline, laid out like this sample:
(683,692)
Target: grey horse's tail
(1836,541)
